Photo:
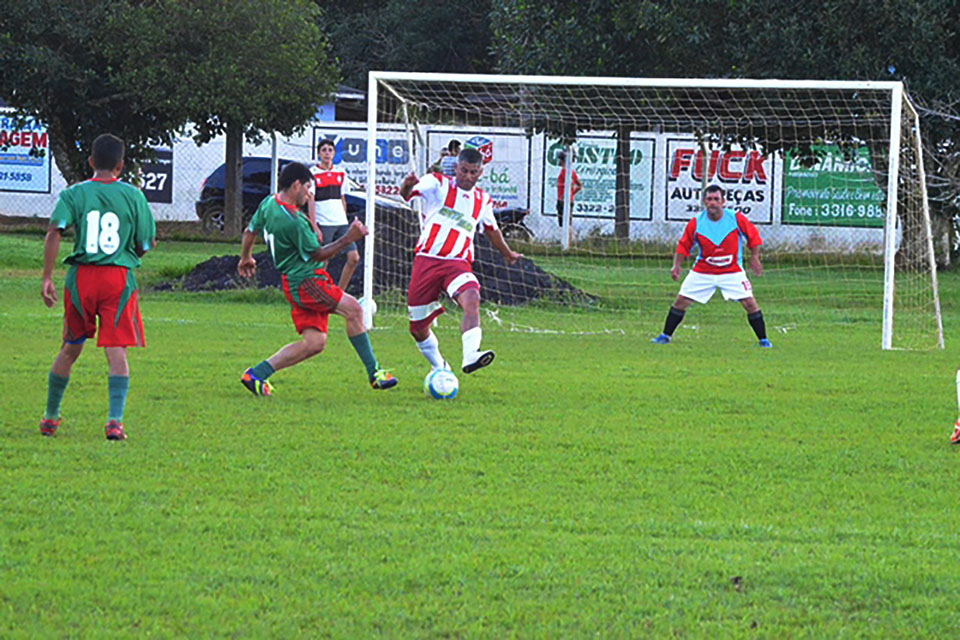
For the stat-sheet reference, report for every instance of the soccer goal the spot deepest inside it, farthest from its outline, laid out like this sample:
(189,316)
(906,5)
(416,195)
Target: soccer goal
(830,172)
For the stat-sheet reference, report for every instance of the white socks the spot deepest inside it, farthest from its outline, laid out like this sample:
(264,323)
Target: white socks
(430,348)
(471,343)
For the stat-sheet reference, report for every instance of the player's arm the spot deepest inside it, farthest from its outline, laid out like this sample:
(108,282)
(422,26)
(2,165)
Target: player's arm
(146,229)
(406,187)
(247,265)
(683,247)
(356,231)
(576,185)
(755,265)
(496,239)
(748,229)
(678,259)
(51,245)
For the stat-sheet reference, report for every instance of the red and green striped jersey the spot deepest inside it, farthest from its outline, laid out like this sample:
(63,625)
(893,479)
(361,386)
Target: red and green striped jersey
(111,219)
(289,237)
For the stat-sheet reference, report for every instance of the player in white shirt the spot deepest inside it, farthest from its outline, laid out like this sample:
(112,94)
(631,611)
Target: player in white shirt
(453,208)
(329,208)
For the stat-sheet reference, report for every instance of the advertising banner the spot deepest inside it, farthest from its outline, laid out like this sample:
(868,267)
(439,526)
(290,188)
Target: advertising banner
(393,156)
(505,162)
(596,166)
(24,155)
(836,191)
(157,177)
(746,175)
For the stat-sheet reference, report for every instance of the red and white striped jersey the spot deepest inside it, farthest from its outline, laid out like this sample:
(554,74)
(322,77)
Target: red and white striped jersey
(450,217)
(327,190)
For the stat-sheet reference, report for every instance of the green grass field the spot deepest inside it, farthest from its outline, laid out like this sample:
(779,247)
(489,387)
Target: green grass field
(584,485)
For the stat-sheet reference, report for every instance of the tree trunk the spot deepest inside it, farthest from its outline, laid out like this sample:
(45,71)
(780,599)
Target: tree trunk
(233,182)
(622,196)
(71,160)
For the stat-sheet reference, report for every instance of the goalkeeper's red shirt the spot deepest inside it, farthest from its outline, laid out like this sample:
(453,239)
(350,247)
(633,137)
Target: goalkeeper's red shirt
(719,242)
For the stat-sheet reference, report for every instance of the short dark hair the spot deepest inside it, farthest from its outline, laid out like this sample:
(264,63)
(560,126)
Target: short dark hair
(470,156)
(324,142)
(453,144)
(714,188)
(293,172)
(562,156)
(107,152)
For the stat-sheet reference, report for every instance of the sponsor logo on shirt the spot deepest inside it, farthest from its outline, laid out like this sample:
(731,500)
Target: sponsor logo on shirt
(719,261)
(459,219)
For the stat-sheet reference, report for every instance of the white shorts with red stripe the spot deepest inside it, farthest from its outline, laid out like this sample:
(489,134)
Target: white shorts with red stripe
(429,277)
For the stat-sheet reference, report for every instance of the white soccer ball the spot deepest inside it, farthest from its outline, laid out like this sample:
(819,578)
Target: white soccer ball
(441,384)
(373,305)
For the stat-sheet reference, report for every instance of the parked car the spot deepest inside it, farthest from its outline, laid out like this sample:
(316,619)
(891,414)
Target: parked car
(256,186)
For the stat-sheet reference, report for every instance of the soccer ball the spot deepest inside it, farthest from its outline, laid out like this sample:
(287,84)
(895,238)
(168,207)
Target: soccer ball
(373,305)
(441,384)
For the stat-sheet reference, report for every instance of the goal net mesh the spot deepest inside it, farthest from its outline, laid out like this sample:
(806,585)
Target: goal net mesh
(808,165)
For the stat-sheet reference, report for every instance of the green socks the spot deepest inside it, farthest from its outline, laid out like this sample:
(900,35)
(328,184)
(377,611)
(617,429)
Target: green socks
(263,370)
(361,343)
(56,385)
(117,387)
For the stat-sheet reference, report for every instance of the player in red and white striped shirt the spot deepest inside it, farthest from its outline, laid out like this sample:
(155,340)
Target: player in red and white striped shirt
(453,208)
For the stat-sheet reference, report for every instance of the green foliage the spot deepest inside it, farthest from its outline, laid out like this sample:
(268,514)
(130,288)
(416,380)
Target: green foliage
(582,486)
(142,70)
(398,35)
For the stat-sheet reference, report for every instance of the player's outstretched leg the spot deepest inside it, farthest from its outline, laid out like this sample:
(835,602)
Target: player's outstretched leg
(429,346)
(471,335)
(352,313)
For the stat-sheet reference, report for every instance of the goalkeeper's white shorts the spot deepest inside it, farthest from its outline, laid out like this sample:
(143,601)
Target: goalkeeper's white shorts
(700,286)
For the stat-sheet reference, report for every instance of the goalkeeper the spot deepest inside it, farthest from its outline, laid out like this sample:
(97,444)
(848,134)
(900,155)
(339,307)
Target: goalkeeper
(719,234)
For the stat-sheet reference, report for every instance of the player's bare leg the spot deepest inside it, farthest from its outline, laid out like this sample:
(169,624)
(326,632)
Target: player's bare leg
(674,318)
(470,332)
(57,381)
(755,318)
(352,313)
(353,259)
(68,354)
(118,382)
(312,342)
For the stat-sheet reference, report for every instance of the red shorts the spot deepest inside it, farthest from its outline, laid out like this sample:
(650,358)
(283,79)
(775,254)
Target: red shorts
(318,298)
(106,292)
(430,276)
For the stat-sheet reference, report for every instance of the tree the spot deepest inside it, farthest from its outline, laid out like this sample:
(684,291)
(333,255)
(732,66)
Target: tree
(53,67)
(399,35)
(143,70)
(912,40)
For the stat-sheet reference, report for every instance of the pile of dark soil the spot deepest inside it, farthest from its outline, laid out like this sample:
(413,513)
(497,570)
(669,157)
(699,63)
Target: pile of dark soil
(396,237)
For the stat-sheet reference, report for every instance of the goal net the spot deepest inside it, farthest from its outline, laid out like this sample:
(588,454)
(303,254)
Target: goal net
(830,173)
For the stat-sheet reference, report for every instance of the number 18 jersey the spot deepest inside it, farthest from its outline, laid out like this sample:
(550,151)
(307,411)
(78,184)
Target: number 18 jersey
(111,219)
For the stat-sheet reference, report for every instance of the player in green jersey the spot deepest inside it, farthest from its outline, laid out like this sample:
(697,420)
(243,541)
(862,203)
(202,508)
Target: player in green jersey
(113,227)
(296,251)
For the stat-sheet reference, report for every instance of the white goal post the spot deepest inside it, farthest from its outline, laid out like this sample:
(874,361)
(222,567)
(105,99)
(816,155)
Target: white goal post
(802,133)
